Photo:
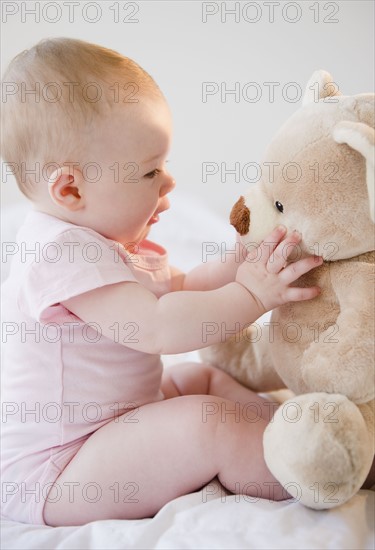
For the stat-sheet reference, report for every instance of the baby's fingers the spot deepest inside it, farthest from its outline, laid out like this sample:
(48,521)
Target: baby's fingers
(293,271)
(266,247)
(294,294)
(281,253)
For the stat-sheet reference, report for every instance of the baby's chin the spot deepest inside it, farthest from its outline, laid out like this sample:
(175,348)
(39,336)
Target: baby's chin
(131,244)
(143,235)
(146,233)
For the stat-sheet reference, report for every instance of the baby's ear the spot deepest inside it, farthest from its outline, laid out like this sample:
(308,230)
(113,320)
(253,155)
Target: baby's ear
(361,137)
(64,187)
(320,86)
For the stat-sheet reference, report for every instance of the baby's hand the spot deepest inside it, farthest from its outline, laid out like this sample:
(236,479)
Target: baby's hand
(265,276)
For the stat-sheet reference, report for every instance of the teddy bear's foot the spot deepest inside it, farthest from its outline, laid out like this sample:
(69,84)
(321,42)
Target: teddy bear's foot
(370,480)
(319,448)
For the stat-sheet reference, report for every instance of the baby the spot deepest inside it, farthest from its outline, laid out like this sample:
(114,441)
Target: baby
(92,427)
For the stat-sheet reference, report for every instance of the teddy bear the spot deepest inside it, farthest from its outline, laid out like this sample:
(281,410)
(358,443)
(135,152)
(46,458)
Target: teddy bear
(318,179)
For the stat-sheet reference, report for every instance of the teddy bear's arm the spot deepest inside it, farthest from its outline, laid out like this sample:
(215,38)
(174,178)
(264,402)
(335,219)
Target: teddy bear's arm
(342,360)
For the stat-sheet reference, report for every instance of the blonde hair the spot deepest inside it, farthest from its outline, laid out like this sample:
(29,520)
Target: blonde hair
(51,94)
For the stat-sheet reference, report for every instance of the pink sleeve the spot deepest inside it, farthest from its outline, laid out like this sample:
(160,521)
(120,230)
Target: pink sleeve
(75,262)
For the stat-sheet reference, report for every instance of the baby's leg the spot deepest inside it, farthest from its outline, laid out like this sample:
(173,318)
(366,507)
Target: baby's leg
(130,469)
(204,379)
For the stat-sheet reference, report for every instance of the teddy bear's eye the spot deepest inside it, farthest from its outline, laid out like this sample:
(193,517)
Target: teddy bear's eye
(279,206)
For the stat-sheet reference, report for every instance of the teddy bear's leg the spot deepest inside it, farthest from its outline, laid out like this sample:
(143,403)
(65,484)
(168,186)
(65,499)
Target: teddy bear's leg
(368,413)
(246,356)
(319,447)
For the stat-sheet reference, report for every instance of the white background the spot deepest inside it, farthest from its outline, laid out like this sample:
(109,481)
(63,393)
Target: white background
(181,51)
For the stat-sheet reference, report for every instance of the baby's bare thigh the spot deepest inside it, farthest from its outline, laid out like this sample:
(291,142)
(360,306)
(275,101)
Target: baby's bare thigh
(136,463)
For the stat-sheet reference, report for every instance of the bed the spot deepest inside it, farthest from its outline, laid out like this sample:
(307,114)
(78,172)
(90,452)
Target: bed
(211,517)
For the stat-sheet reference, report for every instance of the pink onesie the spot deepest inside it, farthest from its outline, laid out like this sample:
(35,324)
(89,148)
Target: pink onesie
(62,379)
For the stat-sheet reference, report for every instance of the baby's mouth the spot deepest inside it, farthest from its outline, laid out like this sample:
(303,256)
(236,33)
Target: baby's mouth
(154,219)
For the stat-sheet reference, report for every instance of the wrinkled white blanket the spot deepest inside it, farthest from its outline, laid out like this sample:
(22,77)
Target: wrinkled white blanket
(210,518)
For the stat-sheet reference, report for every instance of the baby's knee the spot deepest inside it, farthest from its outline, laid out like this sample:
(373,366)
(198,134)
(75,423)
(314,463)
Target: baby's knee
(187,379)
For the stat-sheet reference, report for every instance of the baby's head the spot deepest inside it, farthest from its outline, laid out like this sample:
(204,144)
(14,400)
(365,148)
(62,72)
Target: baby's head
(80,124)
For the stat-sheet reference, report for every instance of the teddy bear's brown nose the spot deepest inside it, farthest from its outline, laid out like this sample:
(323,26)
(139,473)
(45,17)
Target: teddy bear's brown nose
(240,217)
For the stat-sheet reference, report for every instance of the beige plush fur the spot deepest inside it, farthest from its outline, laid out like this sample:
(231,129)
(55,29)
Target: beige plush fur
(320,445)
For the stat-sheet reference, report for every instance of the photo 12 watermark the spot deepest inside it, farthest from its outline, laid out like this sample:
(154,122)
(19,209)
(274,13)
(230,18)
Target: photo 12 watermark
(271,331)
(251,252)
(91,92)
(252,172)
(69,332)
(29,12)
(251,412)
(253,491)
(31,174)
(251,13)
(52,412)
(269,91)
(90,492)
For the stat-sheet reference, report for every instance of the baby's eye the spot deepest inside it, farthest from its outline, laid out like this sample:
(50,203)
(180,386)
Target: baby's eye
(152,174)
(279,206)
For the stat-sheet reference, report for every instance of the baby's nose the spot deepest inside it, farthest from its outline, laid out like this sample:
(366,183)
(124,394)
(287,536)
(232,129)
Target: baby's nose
(168,185)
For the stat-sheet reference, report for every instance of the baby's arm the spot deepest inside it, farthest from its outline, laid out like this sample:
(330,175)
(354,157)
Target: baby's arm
(176,322)
(211,274)
(206,276)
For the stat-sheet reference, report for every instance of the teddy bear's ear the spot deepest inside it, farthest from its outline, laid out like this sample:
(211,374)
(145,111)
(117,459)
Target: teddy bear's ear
(361,137)
(320,86)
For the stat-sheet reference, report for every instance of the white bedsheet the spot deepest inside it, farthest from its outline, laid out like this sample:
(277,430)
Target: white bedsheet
(210,518)
(217,521)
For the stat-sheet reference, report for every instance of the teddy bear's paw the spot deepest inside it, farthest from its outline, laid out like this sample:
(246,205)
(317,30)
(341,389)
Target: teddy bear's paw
(318,447)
